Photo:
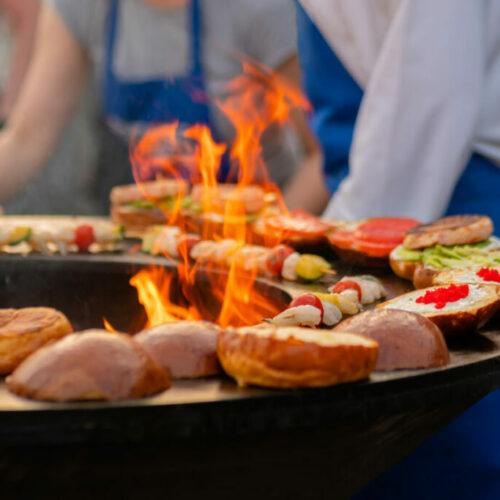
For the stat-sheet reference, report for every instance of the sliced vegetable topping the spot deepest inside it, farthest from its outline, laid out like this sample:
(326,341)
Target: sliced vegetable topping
(390,230)
(441,296)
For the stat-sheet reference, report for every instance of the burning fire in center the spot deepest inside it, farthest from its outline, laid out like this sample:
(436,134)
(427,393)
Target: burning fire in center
(215,212)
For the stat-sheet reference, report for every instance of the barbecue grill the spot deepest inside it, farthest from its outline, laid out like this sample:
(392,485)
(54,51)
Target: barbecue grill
(210,435)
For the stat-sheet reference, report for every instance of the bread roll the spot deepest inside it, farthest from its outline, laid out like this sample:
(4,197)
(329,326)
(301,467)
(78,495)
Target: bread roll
(23,331)
(457,317)
(464,275)
(282,357)
(406,340)
(186,348)
(90,365)
(403,268)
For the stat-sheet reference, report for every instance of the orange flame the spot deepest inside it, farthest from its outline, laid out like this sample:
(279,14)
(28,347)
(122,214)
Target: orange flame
(108,326)
(257,103)
(153,288)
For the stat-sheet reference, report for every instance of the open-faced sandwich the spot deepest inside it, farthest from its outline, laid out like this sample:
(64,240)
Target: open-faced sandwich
(453,242)
(369,242)
(297,228)
(454,308)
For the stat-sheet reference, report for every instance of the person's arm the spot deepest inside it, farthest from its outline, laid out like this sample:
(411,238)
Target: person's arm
(416,127)
(306,188)
(53,84)
(21,17)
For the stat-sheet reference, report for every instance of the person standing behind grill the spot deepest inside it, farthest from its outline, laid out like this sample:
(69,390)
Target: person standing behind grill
(153,59)
(412,129)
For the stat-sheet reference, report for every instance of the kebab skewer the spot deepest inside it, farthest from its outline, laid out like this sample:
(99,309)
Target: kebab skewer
(280,261)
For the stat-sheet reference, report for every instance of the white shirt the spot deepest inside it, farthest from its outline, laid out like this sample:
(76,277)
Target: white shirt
(430,70)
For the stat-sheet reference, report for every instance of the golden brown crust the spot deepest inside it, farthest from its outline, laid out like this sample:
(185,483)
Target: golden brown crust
(406,340)
(403,268)
(471,316)
(151,190)
(186,348)
(90,365)
(452,230)
(23,331)
(423,275)
(275,362)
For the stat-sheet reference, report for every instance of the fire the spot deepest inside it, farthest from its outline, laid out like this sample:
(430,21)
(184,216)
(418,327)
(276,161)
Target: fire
(108,326)
(153,288)
(255,103)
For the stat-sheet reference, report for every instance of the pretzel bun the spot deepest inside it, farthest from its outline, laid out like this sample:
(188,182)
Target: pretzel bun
(90,365)
(186,348)
(458,317)
(283,357)
(23,331)
(423,275)
(406,340)
(452,230)
(403,268)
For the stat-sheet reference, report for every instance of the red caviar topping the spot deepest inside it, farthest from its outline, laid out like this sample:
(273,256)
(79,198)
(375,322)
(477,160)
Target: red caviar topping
(489,274)
(441,296)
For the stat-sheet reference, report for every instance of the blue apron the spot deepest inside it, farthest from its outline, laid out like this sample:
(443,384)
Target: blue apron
(183,99)
(462,461)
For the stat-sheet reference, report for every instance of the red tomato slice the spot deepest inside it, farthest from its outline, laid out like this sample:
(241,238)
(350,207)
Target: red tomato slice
(84,236)
(347,285)
(297,222)
(276,257)
(308,299)
(373,249)
(384,230)
(342,239)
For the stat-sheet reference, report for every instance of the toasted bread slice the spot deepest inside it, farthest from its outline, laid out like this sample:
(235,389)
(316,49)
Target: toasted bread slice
(452,230)
(460,316)
(271,356)
(406,340)
(402,267)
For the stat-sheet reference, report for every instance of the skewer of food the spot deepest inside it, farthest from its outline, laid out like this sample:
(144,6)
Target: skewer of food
(58,234)
(347,296)
(281,261)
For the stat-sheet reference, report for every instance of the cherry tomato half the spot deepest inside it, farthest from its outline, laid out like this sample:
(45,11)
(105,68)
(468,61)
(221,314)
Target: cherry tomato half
(347,285)
(276,257)
(308,299)
(84,236)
